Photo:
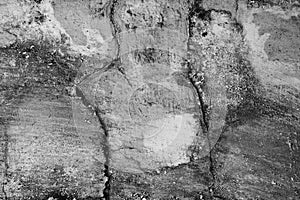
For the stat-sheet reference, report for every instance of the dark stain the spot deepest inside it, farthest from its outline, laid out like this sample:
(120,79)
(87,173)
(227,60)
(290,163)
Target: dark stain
(196,11)
(38,1)
(56,183)
(254,104)
(43,65)
(98,8)
(59,196)
(40,70)
(255,110)
(152,55)
(106,146)
(39,17)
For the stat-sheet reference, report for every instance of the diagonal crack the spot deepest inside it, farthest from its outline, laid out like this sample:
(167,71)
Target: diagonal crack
(106,146)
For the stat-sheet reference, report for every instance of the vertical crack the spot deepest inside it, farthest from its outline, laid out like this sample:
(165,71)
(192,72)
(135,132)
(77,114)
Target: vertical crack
(114,26)
(106,145)
(236,8)
(117,60)
(205,127)
(115,33)
(204,120)
(5,160)
(4,123)
(106,150)
(197,10)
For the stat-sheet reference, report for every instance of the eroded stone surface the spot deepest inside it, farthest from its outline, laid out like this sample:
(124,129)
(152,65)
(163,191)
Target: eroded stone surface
(153,122)
(165,52)
(137,14)
(216,67)
(227,5)
(86,25)
(255,152)
(148,131)
(283,42)
(48,152)
(42,151)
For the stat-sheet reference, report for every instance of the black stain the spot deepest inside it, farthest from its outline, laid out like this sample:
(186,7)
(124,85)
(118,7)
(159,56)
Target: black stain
(39,70)
(39,17)
(38,1)
(57,195)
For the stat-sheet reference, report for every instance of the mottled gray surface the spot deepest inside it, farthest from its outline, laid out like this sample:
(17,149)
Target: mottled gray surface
(149,99)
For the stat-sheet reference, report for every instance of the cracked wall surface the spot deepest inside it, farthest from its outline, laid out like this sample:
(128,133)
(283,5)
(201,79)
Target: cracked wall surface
(115,99)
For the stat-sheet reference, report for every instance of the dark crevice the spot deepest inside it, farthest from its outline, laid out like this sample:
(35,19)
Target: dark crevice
(205,128)
(236,8)
(115,33)
(106,150)
(117,64)
(37,1)
(106,146)
(197,11)
(7,30)
(5,157)
(238,26)
(114,25)
(236,5)
(204,120)
(3,190)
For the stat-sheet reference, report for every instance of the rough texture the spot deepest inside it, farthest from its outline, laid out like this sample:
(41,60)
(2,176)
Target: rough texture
(283,42)
(115,99)
(153,120)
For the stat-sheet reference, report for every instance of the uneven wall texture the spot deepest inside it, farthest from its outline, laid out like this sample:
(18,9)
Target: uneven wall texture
(156,99)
